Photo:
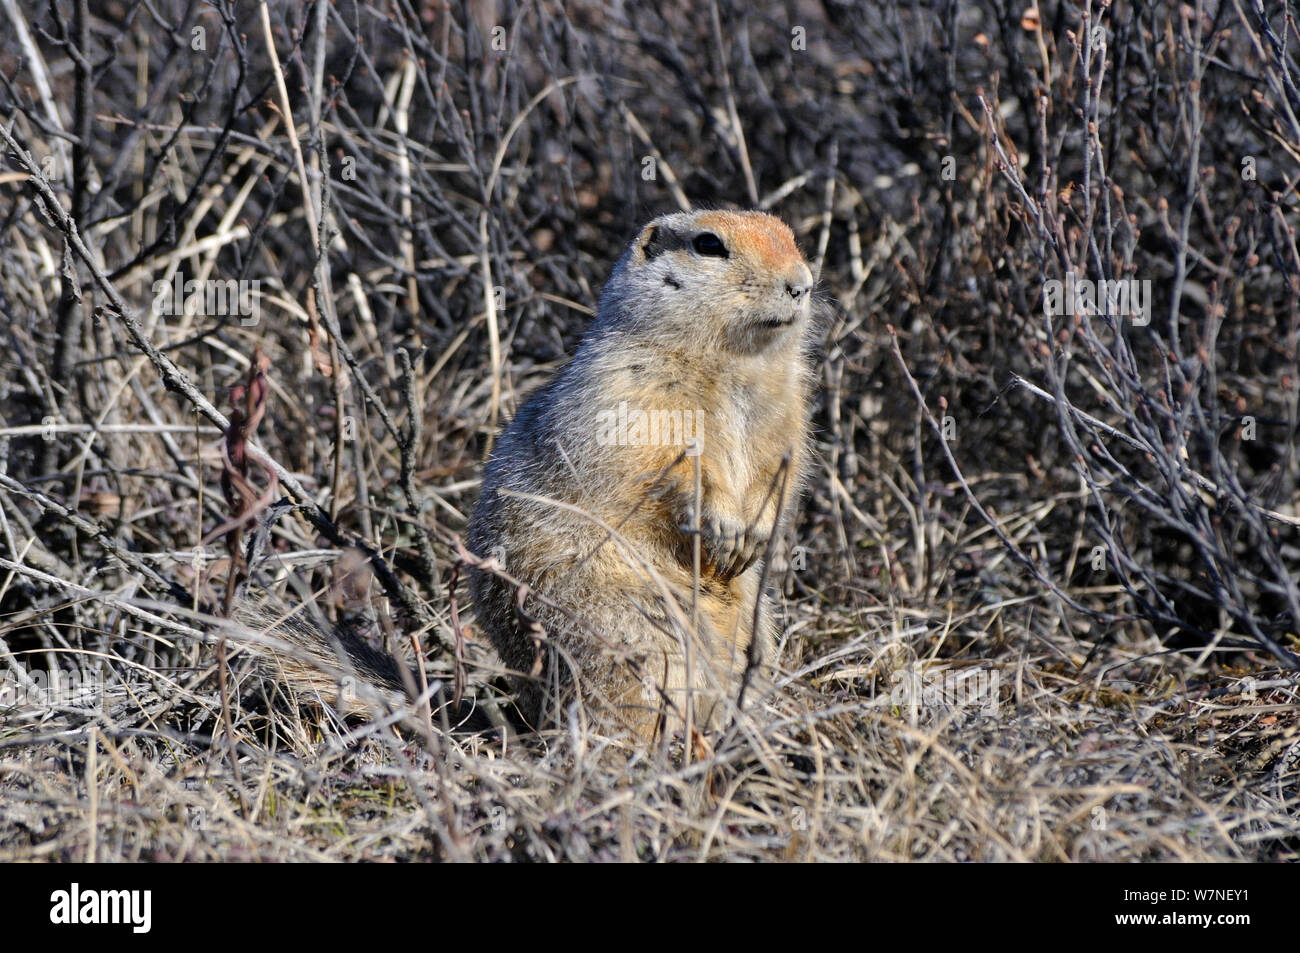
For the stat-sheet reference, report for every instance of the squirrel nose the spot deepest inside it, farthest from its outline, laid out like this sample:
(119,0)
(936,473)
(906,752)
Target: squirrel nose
(798,283)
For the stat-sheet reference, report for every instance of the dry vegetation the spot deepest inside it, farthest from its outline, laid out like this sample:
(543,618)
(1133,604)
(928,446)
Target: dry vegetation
(1094,516)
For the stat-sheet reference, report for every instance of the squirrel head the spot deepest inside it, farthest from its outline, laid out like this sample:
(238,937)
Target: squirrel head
(734,280)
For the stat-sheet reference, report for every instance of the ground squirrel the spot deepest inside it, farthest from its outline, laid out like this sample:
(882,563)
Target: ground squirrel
(699,354)
(589,497)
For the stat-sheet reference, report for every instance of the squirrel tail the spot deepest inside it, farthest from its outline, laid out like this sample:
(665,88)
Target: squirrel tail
(295,646)
(297,649)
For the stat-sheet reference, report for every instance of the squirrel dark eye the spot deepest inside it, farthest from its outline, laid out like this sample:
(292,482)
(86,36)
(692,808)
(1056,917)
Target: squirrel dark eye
(707,243)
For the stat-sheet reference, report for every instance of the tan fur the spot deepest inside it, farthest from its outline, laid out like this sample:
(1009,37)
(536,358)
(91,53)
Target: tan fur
(677,330)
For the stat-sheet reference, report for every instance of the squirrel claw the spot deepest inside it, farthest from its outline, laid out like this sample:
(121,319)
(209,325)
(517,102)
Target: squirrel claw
(728,545)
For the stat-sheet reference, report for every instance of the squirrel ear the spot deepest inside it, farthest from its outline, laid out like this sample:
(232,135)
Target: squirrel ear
(651,241)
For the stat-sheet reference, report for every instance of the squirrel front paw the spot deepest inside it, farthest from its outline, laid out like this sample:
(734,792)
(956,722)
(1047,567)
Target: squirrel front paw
(726,544)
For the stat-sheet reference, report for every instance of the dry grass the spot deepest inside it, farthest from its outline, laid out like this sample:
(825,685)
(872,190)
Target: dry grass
(1135,625)
(1131,761)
